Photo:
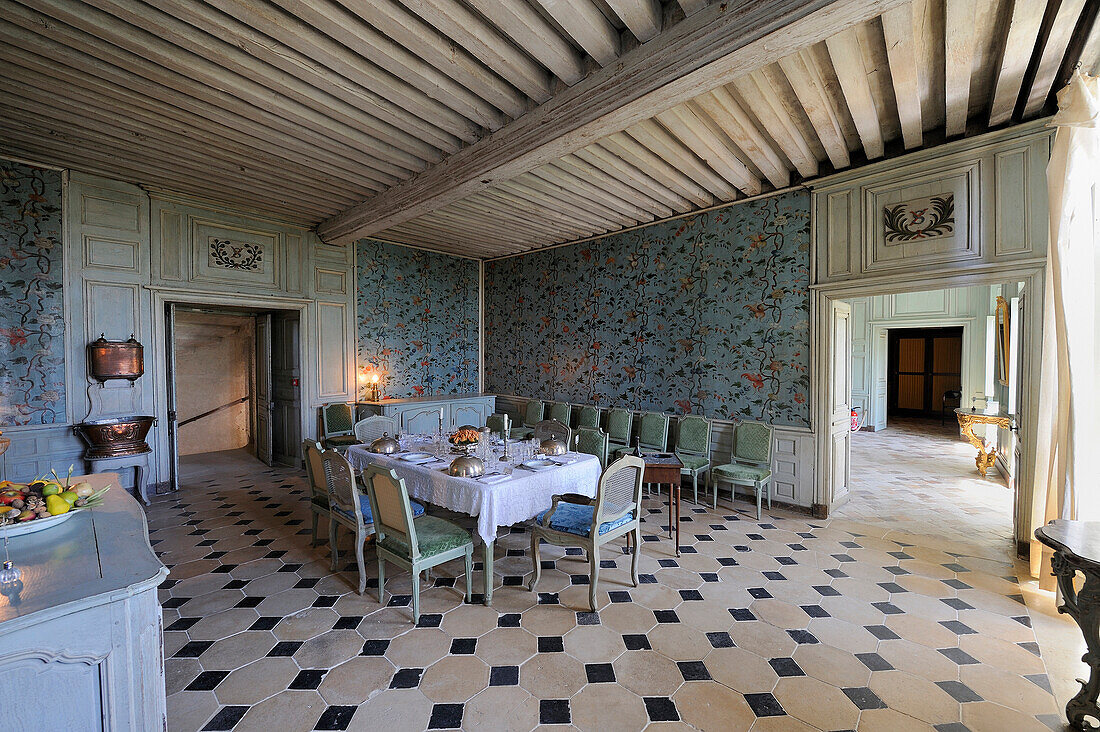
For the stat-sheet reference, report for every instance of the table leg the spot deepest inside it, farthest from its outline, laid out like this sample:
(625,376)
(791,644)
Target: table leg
(487,564)
(1083,607)
(676,485)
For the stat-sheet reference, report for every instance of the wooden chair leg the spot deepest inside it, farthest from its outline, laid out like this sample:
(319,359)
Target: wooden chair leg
(316,517)
(535,559)
(594,574)
(759,495)
(416,596)
(381,580)
(332,545)
(768,488)
(637,555)
(470,574)
(359,541)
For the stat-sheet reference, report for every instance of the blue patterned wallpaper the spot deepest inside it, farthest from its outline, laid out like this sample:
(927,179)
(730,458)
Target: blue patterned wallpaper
(417,314)
(707,314)
(32,317)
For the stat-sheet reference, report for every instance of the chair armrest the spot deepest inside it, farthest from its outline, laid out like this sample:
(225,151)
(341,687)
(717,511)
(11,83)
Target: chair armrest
(574,498)
(577,498)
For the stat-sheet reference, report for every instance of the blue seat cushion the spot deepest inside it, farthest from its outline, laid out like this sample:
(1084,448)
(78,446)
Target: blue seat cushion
(368,517)
(577,520)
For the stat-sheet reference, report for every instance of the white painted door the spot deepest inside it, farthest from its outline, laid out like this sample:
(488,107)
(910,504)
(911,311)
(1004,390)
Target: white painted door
(170,375)
(838,463)
(880,386)
(264,393)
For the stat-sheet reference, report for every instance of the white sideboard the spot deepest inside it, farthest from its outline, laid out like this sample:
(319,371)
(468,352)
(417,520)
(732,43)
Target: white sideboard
(421,414)
(81,644)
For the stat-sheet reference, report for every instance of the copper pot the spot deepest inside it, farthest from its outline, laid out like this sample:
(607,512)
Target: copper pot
(117,437)
(116,359)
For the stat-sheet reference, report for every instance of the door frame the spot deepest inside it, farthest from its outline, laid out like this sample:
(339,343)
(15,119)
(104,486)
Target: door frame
(880,327)
(162,296)
(822,296)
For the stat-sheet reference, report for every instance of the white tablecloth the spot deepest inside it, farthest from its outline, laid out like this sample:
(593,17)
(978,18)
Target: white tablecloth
(523,495)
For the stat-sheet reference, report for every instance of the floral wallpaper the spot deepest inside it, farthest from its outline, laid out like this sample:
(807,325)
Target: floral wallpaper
(417,315)
(32,319)
(707,314)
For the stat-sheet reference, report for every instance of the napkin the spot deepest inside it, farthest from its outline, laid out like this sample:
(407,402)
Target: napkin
(494,478)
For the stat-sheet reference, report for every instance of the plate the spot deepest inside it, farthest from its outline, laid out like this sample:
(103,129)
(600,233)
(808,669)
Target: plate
(416,456)
(39,524)
(540,464)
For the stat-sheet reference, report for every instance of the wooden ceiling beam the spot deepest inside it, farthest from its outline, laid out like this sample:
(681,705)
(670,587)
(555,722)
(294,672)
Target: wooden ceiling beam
(959,50)
(640,156)
(509,200)
(847,60)
(534,34)
(563,193)
(642,17)
(252,53)
(584,22)
(404,27)
(897,28)
(757,94)
(519,186)
(1023,29)
(670,148)
(700,53)
(579,168)
(223,112)
(632,175)
(808,82)
(726,112)
(690,7)
(509,219)
(485,42)
(1061,30)
(575,183)
(685,123)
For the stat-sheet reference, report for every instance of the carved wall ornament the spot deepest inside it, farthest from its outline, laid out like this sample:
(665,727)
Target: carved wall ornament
(920,219)
(226,254)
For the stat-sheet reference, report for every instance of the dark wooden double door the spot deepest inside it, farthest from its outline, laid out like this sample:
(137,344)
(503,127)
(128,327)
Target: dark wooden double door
(924,364)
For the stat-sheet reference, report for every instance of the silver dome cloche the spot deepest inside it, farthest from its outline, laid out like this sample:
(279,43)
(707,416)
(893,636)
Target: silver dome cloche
(466,466)
(553,446)
(385,445)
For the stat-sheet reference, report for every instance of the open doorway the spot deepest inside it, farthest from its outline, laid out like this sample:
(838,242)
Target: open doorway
(915,358)
(233,388)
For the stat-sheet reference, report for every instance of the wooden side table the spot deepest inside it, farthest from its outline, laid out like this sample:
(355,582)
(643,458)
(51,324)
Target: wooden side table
(1076,546)
(663,468)
(140,463)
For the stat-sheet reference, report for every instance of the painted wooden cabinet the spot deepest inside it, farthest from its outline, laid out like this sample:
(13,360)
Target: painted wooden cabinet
(421,414)
(81,643)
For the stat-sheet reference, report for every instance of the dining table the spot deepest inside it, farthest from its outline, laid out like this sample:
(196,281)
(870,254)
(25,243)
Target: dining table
(506,495)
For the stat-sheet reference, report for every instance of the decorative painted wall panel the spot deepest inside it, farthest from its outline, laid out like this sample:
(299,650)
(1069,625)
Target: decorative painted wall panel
(417,315)
(707,314)
(32,317)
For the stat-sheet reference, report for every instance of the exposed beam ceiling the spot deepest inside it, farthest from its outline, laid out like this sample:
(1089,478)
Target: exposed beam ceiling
(487,127)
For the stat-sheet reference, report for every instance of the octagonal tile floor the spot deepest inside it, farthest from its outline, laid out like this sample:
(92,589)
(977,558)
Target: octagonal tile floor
(782,624)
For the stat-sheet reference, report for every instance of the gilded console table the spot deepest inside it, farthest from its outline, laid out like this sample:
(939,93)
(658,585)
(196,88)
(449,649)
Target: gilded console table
(970,417)
(1076,546)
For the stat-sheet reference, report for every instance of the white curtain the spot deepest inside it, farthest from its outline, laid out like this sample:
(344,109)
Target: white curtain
(1066,485)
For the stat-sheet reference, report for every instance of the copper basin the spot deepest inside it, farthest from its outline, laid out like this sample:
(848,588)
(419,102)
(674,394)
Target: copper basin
(117,437)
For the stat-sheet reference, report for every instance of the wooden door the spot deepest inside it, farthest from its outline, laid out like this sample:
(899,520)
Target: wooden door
(264,403)
(924,363)
(840,394)
(170,375)
(285,378)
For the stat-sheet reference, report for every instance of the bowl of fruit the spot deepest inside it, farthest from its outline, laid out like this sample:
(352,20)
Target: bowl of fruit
(465,438)
(44,503)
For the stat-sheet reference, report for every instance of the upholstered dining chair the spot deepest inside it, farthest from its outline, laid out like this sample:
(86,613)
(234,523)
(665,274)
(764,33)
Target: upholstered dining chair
(318,489)
(751,466)
(499,424)
(592,441)
(349,507)
(414,545)
(562,412)
(337,426)
(693,449)
(370,429)
(532,415)
(575,520)
(552,429)
(588,416)
(652,433)
(620,422)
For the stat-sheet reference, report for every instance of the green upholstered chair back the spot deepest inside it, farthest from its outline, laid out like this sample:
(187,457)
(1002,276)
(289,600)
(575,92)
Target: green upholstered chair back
(552,429)
(619,424)
(532,413)
(693,437)
(343,490)
(588,416)
(593,441)
(311,451)
(337,419)
(389,502)
(562,412)
(653,431)
(752,443)
(499,424)
(619,491)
